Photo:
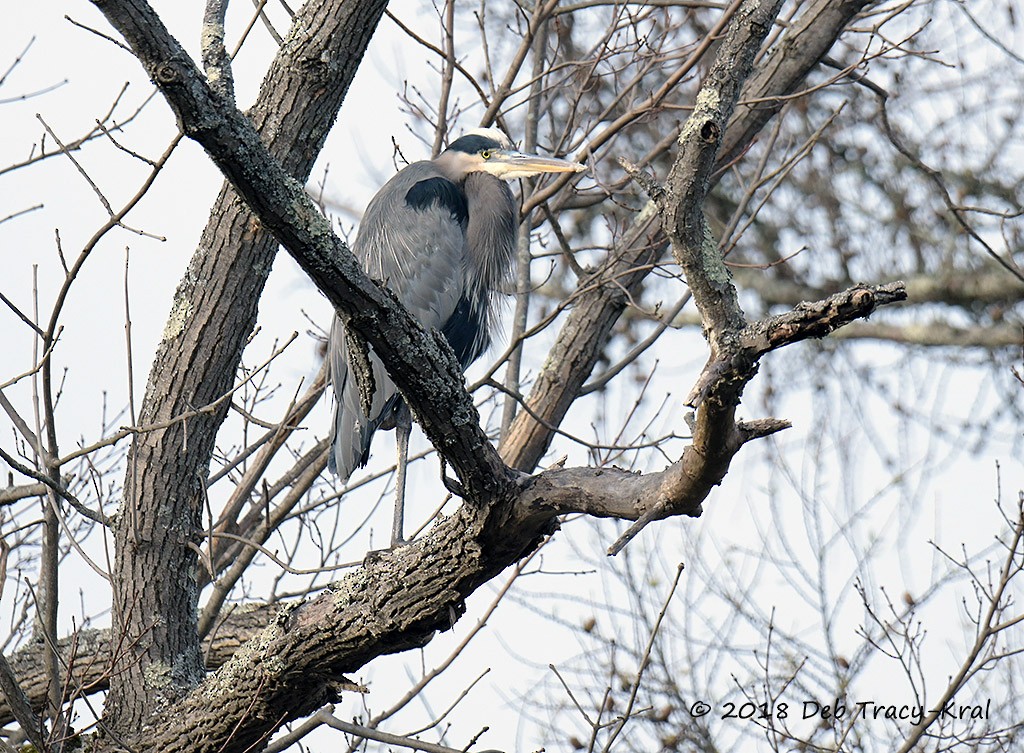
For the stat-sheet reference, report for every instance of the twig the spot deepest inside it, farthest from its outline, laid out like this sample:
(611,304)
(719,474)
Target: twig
(271,522)
(441,54)
(521,315)
(22,426)
(541,12)
(57,487)
(650,186)
(98,33)
(447,74)
(128,340)
(17,60)
(209,408)
(427,678)
(23,318)
(278,561)
(93,134)
(368,733)
(284,742)
(260,14)
(644,661)
(451,707)
(936,178)
(78,166)
(20,212)
(987,630)
(572,697)
(637,350)
(638,110)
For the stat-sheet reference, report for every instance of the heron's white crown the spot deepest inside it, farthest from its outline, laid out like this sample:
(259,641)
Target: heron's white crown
(495,134)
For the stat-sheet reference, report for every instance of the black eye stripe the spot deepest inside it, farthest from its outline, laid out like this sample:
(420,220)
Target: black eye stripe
(472,144)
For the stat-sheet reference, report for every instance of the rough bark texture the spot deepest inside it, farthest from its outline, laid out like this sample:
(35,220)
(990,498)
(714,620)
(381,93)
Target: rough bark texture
(399,599)
(214,311)
(818,319)
(87,656)
(392,604)
(682,201)
(716,436)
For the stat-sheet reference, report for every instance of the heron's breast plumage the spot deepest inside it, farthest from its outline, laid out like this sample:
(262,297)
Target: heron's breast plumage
(445,249)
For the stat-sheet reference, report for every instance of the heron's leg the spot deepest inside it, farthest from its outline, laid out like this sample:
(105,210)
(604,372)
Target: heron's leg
(403,428)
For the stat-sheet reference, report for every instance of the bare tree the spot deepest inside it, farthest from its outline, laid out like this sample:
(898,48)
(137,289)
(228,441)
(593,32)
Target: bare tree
(702,123)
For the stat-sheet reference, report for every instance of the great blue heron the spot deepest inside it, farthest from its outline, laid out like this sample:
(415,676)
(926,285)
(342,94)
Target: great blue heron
(441,235)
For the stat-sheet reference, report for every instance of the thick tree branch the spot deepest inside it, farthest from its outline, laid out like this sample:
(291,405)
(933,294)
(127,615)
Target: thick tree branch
(997,290)
(986,287)
(11,494)
(441,404)
(735,347)
(717,437)
(214,312)
(682,203)
(588,328)
(807,40)
(87,654)
(806,321)
(216,60)
(600,492)
(399,599)
(821,318)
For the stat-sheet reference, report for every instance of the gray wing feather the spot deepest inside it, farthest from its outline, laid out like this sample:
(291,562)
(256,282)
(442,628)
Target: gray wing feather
(420,254)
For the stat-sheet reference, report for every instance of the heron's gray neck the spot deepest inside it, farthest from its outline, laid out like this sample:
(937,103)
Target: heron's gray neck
(492,231)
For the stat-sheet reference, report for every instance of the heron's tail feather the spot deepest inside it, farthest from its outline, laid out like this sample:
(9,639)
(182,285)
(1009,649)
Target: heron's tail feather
(351,429)
(350,442)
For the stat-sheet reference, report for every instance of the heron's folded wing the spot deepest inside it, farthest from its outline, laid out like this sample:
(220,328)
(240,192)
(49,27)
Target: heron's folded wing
(412,239)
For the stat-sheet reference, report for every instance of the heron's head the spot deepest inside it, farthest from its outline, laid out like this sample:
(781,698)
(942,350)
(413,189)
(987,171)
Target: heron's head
(489,150)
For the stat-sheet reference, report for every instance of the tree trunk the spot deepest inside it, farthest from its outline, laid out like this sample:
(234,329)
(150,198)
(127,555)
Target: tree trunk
(157,650)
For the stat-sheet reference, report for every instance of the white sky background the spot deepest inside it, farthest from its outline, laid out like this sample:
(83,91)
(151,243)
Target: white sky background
(956,489)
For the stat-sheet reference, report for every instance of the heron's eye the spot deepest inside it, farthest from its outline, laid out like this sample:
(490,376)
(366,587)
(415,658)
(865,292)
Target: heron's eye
(486,153)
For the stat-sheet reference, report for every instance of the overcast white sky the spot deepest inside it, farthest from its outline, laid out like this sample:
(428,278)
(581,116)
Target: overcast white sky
(88,73)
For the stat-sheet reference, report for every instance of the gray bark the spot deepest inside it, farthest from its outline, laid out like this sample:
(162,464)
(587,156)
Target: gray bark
(158,653)
(398,600)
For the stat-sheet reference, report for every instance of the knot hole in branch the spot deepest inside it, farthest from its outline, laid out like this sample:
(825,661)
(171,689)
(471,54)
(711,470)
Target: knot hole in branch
(710,132)
(167,73)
